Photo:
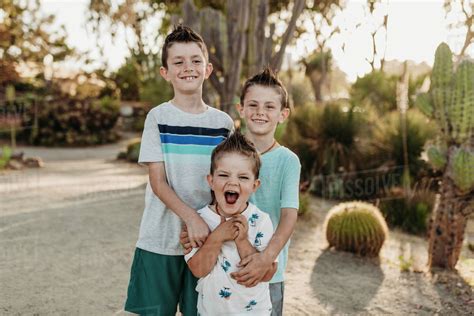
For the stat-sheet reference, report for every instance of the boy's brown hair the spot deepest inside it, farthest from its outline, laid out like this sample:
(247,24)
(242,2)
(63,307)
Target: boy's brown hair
(266,78)
(182,34)
(236,143)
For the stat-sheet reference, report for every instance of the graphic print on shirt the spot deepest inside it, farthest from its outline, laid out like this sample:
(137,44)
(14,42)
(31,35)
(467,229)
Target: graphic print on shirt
(258,238)
(253,219)
(225,293)
(226,265)
(250,305)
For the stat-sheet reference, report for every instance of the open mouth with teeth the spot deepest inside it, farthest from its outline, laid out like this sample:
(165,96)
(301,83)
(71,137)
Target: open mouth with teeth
(259,121)
(189,78)
(231,197)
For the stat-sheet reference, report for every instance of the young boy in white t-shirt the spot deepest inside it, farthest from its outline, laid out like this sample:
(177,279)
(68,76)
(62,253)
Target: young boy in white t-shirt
(238,230)
(263,105)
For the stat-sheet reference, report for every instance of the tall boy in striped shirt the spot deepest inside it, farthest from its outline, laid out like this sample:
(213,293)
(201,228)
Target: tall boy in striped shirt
(177,142)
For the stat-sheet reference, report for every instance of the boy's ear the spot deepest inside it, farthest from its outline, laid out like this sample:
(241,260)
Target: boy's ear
(256,184)
(284,115)
(209,69)
(209,180)
(164,73)
(240,109)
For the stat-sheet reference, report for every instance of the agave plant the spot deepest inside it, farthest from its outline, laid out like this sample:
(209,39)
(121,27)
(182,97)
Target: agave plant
(325,138)
(387,141)
(450,103)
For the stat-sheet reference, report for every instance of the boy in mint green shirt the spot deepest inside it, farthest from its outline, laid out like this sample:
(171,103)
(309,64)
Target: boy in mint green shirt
(264,104)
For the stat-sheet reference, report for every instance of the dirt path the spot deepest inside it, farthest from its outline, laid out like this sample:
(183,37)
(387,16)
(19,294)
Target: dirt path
(67,235)
(321,281)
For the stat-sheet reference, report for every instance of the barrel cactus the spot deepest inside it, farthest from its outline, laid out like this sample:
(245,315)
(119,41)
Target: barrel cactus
(356,227)
(450,104)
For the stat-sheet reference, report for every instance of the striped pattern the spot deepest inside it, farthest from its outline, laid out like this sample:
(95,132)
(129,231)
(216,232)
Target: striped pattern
(188,140)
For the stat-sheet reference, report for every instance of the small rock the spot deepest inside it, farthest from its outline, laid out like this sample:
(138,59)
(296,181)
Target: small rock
(15,165)
(17,156)
(34,162)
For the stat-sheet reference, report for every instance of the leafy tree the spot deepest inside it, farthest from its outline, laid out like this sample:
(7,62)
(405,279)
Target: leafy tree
(26,37)
(376,89)
(317,67)
(465,9)
(237,35)
(318,64)
(128,81)
(235,32)
(377,27)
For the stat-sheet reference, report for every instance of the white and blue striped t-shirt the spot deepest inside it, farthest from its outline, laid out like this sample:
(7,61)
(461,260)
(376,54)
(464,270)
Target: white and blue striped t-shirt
(184,142)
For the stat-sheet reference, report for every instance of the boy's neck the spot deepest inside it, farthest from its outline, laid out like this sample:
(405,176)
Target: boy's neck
(262,142)
(216,209)
(189,103)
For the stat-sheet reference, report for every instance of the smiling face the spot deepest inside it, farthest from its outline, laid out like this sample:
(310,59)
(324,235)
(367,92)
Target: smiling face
(187,68)
(262,110)
(233,181)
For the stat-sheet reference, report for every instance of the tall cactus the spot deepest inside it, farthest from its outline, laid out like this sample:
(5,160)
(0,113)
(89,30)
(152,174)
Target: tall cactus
(450,103)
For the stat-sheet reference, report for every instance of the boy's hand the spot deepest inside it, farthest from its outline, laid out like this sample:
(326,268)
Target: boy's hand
(254,268)
(226,230)
(184,240)
(243,227)
(197,231)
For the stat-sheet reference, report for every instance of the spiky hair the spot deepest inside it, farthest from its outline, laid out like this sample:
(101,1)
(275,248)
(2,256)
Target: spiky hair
(266,78)
(182,34)
(236,143)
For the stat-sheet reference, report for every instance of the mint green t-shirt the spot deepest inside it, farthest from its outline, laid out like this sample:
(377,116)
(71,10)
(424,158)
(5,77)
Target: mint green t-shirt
(280,177)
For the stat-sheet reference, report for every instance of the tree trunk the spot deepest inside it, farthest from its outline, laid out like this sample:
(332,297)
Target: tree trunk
(317,80)
(446,233)
(277,59)
(238,34)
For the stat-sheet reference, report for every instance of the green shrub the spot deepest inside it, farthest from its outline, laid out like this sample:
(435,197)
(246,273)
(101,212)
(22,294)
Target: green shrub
(5,158)
(156,91)
(133,150)
(387,140)
(300,91)
(410,214)
(67,121)
(325,138)
(357,227)
(304,207)
(376,89)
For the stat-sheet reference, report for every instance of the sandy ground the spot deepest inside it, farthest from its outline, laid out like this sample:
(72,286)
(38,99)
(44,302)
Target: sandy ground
(67,234)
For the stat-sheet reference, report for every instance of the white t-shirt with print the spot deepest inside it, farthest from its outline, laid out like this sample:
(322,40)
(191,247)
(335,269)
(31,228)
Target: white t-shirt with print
(219,294)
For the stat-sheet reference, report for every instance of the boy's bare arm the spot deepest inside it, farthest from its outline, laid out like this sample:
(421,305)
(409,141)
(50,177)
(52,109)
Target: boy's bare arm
(285,229)
(269,275)
(197,228)
(244,247)
(257,265)
(205,258)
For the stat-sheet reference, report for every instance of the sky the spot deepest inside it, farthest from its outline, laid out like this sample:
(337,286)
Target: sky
(415,28)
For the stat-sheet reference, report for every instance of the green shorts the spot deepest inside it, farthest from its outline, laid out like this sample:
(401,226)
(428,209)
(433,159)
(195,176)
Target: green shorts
(158,283)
